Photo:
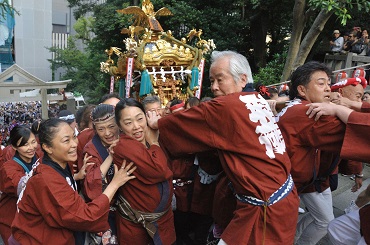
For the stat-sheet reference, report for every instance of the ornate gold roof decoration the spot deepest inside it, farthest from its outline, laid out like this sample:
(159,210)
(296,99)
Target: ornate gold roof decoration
(159,59)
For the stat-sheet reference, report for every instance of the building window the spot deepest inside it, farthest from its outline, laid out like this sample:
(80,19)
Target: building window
(59,28)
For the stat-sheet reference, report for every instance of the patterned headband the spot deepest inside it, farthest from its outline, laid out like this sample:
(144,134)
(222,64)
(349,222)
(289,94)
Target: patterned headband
(103,119)
(107,117)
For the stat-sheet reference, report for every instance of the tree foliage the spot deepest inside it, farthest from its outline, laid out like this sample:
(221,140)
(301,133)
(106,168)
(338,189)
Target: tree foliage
(6,7)
(309,20)
(270,73)
(240,25)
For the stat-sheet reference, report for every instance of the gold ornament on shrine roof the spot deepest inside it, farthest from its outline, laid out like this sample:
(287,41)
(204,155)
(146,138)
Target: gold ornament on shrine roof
(161,63)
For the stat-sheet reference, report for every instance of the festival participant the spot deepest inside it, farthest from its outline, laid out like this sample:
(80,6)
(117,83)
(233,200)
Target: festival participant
(255,161)
(86,132)
(192,101)
(145,214)
(8,153)
(152,103)
(101,170)
(353,227)
(13,173)
(183,169)
(206,179)
(195,180)
(83,117)
(167,110)
(110,99)
(353,90)
(69,117)
(177,105)
(55,213)
(305,142)
(366,97)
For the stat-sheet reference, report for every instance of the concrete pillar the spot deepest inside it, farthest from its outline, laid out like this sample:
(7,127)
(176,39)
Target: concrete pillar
(44,104)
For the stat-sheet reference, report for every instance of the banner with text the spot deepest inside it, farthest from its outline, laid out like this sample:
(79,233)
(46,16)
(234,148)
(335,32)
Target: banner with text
(130,67)
(111,84)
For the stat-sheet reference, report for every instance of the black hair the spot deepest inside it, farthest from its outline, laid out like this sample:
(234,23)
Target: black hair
(83,116)
(302,76)
(126,102)
(192,101)
(265,92)
(108,96)
(101,110)
(35,128)
(19,135)
(205,99)
(175,102)
(48,129)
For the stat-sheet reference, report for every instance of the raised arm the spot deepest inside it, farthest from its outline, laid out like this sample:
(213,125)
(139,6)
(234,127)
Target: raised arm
(325,109)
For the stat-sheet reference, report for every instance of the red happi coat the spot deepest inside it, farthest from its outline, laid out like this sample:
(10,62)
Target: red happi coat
(8,153)
(252,152)
(355,146)
(183,170)
(203,194)
(224,202)
(1,156)
(349,167)
(11,173)
(357,135)
(150,192)
(93,185)
(306,138)
(50,210)
(83,138)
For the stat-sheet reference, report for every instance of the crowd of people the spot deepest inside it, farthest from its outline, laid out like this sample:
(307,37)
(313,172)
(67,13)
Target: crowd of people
(354,41)
(21,113)
(226,170)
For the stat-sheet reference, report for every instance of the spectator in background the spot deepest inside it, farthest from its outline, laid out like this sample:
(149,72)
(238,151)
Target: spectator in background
(336,44)
(360,43)
(347,45)
(356,31)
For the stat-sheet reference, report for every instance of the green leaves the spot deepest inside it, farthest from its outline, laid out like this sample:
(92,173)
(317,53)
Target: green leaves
(271,73)
(341,8)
